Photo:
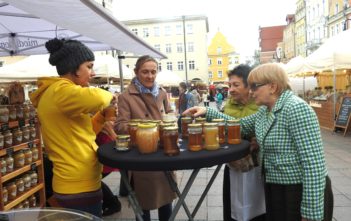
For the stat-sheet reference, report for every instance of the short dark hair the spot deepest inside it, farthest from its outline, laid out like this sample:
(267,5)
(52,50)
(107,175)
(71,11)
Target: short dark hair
(242,71)
(183,85)
(143,59)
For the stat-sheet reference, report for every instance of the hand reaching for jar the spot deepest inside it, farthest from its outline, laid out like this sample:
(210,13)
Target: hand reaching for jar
(195,111)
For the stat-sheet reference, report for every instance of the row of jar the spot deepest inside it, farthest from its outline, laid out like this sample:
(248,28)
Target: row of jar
(16,112)
(18,159)
(18,186)
(17,136)
(27,203)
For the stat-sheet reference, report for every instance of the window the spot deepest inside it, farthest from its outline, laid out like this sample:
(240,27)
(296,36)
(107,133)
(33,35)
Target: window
(191,65)
(179,29)
(158,47)
(220,74)
(332,31)
(135,30)
(145,32)
(219,61)
(180,65)
(159,66)
(210,74)
(167,30)
(189,29)
(168,48)
(157,31)
(219,50)
(190,47)
(337,28)
(169,66)
(209,61)
(180,47)
(336,8)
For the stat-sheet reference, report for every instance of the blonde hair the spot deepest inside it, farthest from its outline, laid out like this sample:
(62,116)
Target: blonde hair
(270,73)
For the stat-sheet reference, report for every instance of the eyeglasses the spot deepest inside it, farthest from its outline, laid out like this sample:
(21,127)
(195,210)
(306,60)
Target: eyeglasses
(255,86)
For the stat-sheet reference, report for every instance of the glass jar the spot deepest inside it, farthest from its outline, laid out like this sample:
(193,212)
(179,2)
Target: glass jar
(201,120)
(3,166)
(35,153)
(4,114)
(34,178)
(33,133)
(161,132)
(132,129)
(26,111)
(32,201)
(122,142)
(7,139)
(173,122)
(17,136)
(170,142)
(9,164)
(147,138)
(20,186)
(26,134)
(12,113)
(12,190)
(221,130)
(1,141)
(28,157)
(195,137)
(27,181)
(5,196)
(233,128)
(31,111)
(185,121)
(19,112)
(211,136)
(19,159)
(26,204)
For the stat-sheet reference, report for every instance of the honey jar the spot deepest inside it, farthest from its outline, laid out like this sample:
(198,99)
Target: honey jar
(17,136)
(122,142)
(28,157)
(26,204)
(211,136)
(9,164)
(26,134)
(19,112)
(26,111)
(32,201)
(132,129)
(12,191)
(7,139)
(221,130)
(170,142)
(173,122)
(161,131)
(3,166)
(5,196)
(20,186)
(195,137)
(185,121)
(34,178)
(4,114)
(33,133)
(35,153)
(19,159)
(147,138)
(27,181)
(234,135)
(32,111)
(201,120)
(1,141)
(12,113)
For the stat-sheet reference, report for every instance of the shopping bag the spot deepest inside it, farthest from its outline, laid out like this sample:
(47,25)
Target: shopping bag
(247,194)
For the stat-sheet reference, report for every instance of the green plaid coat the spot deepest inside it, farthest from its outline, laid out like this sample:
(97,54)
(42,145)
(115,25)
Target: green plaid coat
(291,149)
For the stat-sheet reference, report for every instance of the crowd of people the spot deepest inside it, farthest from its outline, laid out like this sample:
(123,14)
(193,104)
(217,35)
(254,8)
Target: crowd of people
(283,178)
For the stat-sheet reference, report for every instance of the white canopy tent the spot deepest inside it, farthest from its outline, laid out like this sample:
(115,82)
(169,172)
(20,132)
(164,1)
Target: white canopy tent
(168,78)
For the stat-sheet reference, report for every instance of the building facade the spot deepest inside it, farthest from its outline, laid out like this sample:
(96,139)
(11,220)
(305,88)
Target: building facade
(300,28)
(182,39)
(338,17)
(289,39)
(221,58)
(269,37)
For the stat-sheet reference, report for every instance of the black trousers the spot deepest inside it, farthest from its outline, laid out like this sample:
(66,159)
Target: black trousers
(283,201)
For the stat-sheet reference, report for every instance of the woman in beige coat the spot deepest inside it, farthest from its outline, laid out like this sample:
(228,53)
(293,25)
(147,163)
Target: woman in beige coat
(144,99)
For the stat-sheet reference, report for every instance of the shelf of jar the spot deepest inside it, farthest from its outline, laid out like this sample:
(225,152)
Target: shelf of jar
(21,146)
(16,123)
(23,196)
(19,171)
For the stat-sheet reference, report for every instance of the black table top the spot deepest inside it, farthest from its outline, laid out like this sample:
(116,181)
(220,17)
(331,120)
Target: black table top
(133,160)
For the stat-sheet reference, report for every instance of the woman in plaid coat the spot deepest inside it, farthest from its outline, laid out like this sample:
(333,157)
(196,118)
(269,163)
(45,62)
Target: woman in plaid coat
(291,151)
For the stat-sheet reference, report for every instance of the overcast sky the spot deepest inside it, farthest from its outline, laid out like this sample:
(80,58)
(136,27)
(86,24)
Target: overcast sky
(237,20)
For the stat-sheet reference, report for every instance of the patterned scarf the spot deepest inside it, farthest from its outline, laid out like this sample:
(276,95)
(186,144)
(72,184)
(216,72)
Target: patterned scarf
(142,89)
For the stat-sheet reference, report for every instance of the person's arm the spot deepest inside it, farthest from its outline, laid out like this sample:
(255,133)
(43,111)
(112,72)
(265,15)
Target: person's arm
(304,129)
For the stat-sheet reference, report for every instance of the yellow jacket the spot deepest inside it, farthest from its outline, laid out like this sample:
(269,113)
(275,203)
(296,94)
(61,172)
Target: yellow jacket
(68,130)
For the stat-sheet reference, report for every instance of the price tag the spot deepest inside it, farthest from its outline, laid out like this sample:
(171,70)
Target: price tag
(33,166)
(9,151)
(21,122)
(30,144)
(4,126)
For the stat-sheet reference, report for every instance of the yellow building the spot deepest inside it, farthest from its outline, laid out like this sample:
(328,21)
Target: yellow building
(300,29)
(221,58)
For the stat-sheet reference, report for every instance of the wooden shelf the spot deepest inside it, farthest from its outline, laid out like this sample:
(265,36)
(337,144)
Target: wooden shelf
(19,171)
(16,123)
(15,148)
(24,196)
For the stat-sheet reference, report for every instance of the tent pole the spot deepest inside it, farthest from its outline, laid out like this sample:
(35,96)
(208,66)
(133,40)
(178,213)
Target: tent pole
(120,58)
(304,85)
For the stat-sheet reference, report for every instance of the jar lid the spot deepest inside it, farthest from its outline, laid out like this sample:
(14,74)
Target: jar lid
(133,124)
(146,125)
(170,128)
(210,124)
(200,119)
(123,136)
(135,120)
(168,121)
(218,120)
(194,125)
(163,125)
(155,121)
(233,121)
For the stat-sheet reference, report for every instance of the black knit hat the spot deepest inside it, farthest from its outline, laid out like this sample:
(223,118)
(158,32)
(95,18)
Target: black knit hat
(67,55)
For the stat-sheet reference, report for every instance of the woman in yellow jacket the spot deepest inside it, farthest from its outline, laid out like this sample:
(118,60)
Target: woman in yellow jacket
(64,106)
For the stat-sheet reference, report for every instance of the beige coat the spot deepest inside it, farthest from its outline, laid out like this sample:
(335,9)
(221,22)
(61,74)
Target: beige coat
(152,188)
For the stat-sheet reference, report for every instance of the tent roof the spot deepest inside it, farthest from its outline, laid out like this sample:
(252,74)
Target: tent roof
(25,26)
